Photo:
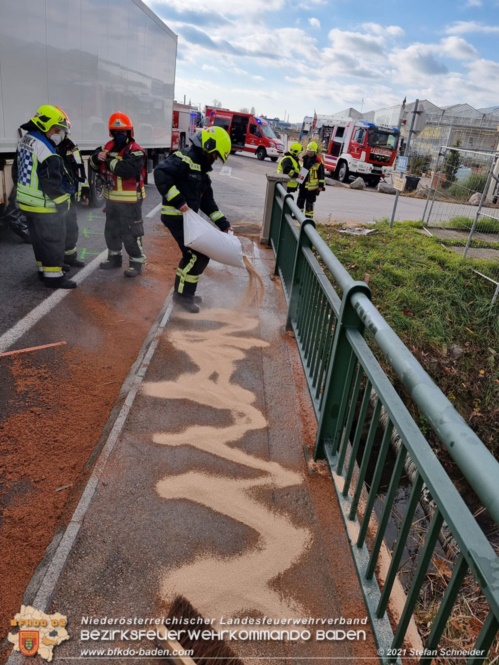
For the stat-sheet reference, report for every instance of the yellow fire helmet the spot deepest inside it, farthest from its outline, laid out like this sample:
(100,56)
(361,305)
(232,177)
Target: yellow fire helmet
(213,139)
(295,148)
(47,116)
(313,147)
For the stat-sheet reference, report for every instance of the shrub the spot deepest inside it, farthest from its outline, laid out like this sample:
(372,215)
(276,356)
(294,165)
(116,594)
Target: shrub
(463,189)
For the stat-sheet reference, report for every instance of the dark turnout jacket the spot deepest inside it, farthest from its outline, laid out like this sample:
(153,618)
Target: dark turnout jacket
(182,178)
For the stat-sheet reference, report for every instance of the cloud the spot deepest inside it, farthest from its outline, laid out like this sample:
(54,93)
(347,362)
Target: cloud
(233,9)
(342,64)
(458,48)
(486,71)
(303,46)
(465,27)
(358,42)
(312,4)
(201,38)
(314,22)
(191,16)
(473,3)
(385,30)
(418,60)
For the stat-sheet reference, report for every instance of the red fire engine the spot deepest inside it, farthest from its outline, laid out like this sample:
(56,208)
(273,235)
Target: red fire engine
(247,132)
(359,148)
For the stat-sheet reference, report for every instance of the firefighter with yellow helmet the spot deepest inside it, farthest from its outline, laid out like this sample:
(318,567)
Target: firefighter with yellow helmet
(43,192)
(314,182)
(183,181)
(75,171)
(121,163)
(290,166)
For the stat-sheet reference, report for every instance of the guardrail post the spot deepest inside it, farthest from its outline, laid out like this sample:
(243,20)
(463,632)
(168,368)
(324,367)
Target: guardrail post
(279,236)
(339,373)
(272,180)
(303,241)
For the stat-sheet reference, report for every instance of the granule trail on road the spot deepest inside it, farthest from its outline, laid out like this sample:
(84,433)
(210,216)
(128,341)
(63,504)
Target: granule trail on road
(256,287)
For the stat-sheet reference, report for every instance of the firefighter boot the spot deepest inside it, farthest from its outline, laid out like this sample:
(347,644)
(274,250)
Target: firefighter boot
(60,283)
(73,260)
(134,269)
(186,302)
(112,261)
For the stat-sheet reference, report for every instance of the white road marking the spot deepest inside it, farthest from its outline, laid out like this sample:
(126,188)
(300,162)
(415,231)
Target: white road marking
(131,384)
(24,325)
(154,210)
(227,170)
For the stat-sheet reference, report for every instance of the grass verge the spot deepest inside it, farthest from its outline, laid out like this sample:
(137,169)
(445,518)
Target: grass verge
(442,311)
(439,308)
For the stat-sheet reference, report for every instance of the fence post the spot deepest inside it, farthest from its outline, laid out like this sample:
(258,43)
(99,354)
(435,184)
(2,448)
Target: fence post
(272,180)
(479,209)
(339,373)
(279,235)
(433,186)
(303,241)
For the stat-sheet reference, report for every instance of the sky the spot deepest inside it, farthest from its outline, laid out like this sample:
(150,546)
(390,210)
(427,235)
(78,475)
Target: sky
(290,59)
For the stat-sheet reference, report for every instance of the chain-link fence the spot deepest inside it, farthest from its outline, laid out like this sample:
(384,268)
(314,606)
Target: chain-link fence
(462,206)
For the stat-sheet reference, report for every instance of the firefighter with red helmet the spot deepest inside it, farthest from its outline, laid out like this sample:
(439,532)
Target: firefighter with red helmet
(183,181)
(121,164)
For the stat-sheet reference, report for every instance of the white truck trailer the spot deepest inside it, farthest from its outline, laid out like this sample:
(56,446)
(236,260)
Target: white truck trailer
(90,58)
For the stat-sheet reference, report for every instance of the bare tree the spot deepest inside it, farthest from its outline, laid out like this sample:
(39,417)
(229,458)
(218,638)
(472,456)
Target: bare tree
(243,110)
(217,103)
(253,112)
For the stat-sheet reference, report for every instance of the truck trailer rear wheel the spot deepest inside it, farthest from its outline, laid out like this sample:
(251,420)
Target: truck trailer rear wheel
(261,153)
(96,186)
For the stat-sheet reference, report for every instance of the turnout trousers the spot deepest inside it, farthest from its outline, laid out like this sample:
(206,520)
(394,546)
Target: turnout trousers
(48,237)
(124,228)
(306,199)
(72,232)
(192,264)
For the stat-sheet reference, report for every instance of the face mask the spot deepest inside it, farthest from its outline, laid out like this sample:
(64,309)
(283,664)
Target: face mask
(120,138)
(57,138)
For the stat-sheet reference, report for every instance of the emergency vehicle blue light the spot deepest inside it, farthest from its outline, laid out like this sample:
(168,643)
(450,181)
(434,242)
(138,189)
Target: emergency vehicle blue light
(258,121)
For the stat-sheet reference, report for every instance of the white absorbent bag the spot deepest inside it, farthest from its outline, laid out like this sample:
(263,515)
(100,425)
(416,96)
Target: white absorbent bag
(202,236)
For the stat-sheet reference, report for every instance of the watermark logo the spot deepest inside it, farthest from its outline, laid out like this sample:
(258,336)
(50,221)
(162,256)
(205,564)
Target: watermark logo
(29,641)
(38,633)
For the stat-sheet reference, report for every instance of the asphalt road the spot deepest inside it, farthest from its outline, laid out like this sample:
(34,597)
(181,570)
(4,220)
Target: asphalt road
(239,187)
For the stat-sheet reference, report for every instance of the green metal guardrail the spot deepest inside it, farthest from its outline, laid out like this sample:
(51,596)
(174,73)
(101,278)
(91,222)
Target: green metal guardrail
(351,394)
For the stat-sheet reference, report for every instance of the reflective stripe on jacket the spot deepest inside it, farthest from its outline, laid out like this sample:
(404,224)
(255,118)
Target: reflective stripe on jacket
(315,177)
(183,178)
(33,154)
(73,163)
(123,189)
(290,166)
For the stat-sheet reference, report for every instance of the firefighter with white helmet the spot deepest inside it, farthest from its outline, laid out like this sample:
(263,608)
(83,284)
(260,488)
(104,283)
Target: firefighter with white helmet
(43,192)
(314,182)
(290,165)
(183,181)
(122,165)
